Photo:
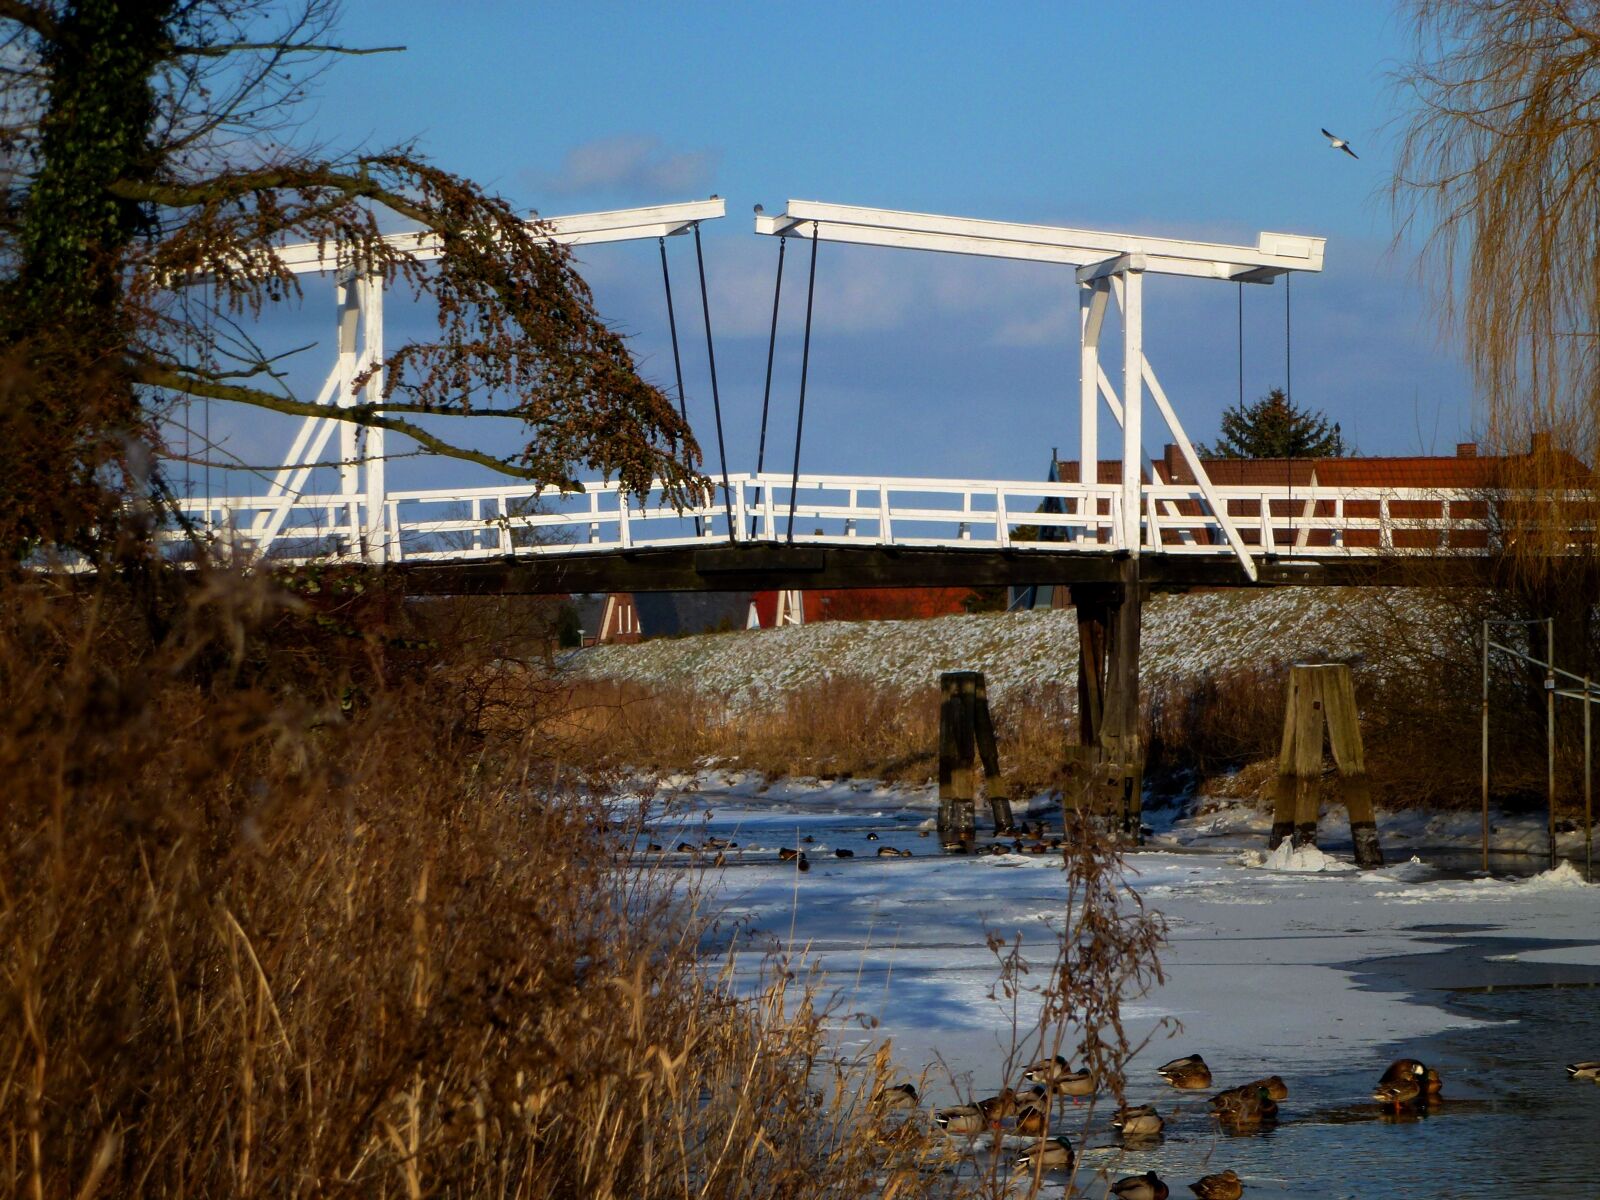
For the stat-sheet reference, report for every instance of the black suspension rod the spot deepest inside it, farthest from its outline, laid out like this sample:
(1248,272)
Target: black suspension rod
(766,395)
(677,358)
(805,368)
(716,400)
(672,324)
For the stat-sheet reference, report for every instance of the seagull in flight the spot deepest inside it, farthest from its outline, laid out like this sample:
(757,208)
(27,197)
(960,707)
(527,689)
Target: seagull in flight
(1338,143)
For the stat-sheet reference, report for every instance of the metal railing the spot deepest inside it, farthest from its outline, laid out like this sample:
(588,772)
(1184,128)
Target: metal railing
(454,524)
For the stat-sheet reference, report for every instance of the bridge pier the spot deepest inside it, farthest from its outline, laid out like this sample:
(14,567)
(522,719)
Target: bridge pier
(1105,770)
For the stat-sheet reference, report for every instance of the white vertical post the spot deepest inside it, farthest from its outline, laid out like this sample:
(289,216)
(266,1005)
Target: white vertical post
(1132,404)
(346,291)
(1091,318)
(371,440)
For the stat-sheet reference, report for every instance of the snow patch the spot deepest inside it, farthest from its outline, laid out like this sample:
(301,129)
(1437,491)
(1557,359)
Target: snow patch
(1564,875)
(1305,859)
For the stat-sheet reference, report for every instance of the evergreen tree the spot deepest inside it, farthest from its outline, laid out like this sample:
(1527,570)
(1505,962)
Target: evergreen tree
(1275,427)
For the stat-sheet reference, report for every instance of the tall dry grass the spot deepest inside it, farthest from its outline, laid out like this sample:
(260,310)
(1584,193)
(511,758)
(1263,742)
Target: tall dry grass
(286,909)
(836,727)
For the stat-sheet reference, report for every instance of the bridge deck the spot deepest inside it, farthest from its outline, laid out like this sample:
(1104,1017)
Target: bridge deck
(867,531)
(759,566)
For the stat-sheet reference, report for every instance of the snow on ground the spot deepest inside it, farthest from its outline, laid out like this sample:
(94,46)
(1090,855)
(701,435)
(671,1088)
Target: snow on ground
(909,935)
(1294,964)
(1181,636)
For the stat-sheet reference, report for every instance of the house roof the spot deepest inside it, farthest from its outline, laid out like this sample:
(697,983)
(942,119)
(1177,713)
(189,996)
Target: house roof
(1464,469)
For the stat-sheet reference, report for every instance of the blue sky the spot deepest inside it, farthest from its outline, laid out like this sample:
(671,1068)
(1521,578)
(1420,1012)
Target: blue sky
(1161,118)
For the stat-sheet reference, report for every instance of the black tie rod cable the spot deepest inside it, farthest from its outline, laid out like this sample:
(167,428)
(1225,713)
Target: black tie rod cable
(716,400)
(677,359)
(766,395)
(805,367)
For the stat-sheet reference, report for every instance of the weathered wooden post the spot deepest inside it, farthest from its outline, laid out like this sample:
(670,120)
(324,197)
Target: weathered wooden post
(1323,693)
(989,752)
(966,731)
(1105,770)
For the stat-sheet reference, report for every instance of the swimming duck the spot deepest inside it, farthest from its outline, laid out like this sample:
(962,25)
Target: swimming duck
(872,837)
(1276,1087)
(888,852)
(1224,1185)
(788,854)
(902,1095)
(1433,1084)
(1188,1073)
(1057,1075)
(842,852)
(1148,1186)
(1404,1068)
(1245,1107)
(1053,1155)
(1404,1091)
(1141,1122)
(1585,1070)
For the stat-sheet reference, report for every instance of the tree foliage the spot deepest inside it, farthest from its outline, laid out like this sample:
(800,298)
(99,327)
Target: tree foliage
(148,147)
(1497,177)
(1275,427)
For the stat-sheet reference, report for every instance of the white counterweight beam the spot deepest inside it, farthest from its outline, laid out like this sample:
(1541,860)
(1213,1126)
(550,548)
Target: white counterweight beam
(580,229)
(1273,254)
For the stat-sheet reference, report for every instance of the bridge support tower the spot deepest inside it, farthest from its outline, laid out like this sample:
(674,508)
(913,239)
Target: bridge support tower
(1105,770)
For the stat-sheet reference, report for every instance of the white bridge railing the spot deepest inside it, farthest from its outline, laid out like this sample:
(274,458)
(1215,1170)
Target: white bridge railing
(455,524)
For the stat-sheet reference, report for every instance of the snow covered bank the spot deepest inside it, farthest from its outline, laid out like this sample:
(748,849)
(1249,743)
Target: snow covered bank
(1182,636)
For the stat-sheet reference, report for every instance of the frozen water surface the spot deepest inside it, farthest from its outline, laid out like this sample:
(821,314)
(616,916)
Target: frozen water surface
(1295,967)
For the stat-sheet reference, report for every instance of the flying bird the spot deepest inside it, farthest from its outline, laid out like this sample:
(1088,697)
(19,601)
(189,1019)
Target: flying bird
(1338,143)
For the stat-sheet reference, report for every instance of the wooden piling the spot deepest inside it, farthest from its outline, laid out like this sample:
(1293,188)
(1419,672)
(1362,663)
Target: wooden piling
(989,754)
(966,735)
(1105,770)
(1323,694)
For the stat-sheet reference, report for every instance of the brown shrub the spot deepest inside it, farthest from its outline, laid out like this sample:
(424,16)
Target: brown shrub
(283,912)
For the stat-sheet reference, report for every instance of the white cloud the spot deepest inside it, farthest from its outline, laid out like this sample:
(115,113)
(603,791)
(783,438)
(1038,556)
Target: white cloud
(631,163)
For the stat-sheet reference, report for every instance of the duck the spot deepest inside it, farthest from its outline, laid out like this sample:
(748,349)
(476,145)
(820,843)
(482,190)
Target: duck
(1188,1073)
(686,848)
(1276,1087)
(1141,1122)
(844,852)
(1033,1113)
(995,1107)
(961,1119)
(1404,1091)
(1224,1185)
(888,852)
(1589,1070)
(1055,1154)
(872,837)
(1057,1075)
(789,854)
(1148,1186)
(900,1096)
(1433,1085)
(1245,1107)
(1032,1121)
(1404,1068)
